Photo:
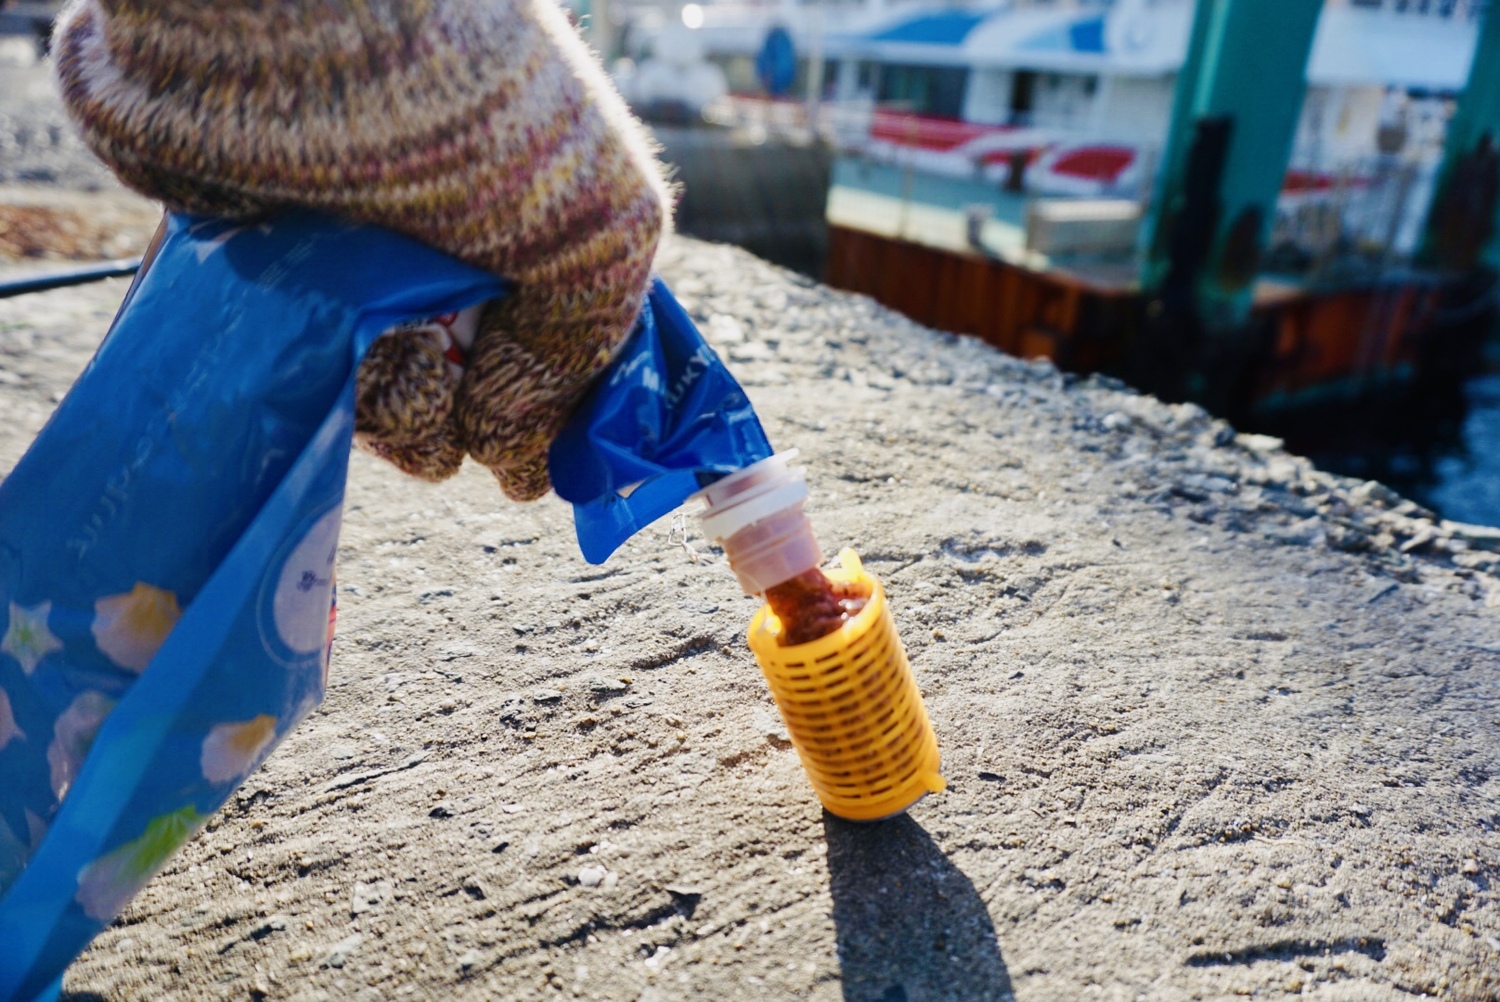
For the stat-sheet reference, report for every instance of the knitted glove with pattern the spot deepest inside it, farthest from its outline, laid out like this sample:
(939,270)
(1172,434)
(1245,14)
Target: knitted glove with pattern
(483,128)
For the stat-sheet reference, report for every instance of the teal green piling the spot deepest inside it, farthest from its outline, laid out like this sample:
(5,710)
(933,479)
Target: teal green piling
(1477,116)
(1246,62)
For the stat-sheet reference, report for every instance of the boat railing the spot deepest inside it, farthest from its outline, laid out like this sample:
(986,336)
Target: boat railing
(1361,215)
(1457,10)
(842,125)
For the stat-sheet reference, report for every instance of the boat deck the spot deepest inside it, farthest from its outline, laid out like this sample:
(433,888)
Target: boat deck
(931,211)
(903,238)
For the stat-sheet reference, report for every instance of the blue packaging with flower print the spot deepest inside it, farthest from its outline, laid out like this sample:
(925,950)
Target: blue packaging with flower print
(167,544)
(166,557)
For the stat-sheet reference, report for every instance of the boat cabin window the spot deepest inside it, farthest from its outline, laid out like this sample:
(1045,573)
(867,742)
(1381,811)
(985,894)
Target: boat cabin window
(1022,97)
(925,90)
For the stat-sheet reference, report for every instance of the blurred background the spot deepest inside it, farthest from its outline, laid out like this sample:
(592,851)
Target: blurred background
(1283,210)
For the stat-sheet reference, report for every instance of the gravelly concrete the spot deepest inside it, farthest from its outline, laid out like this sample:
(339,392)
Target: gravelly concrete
(37,143)
(57,202)
(1215,723)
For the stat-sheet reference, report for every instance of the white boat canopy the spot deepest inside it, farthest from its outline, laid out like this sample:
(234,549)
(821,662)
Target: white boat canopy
(1359,46)
(1353,45)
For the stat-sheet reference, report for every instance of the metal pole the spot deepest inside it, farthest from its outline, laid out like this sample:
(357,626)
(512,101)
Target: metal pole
(71,276)
(815,71)
(600,31)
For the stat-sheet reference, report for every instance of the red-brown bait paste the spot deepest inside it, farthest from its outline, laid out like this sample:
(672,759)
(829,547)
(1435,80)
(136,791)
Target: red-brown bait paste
(810,606)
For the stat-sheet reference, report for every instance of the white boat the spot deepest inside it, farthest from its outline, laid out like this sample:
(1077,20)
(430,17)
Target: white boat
(1073,98)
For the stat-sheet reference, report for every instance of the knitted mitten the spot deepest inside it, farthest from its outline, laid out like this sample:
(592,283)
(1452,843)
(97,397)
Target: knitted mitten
(405,391)
(483,128)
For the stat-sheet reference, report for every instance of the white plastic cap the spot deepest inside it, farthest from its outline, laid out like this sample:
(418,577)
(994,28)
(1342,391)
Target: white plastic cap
(756,515)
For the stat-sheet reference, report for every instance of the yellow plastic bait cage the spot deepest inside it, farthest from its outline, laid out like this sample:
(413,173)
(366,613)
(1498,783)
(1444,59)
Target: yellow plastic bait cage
(852,708)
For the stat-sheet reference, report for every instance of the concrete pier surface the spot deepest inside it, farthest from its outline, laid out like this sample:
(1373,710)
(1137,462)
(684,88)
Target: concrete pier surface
(1214,723)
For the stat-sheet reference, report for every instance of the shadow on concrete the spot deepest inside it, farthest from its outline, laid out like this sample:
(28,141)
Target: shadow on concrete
(911,927)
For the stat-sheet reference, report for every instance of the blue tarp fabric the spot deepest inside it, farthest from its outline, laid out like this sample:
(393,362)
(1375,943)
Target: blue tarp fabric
(167,544)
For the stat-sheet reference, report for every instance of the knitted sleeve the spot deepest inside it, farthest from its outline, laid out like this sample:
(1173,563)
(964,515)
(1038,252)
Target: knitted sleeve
(483,128)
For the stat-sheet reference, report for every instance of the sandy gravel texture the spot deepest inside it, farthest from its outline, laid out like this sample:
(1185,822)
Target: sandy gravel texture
(38,145)
(40,223)
(57,202)
(1215,723)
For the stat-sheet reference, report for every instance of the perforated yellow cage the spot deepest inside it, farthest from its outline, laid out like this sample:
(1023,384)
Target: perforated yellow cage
(852,708)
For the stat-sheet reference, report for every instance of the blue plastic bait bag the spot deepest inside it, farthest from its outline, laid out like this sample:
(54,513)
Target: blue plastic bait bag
(167,543)
(666,420)
(166,557)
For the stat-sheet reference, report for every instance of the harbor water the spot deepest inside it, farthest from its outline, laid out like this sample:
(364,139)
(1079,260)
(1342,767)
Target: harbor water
(1442,453)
